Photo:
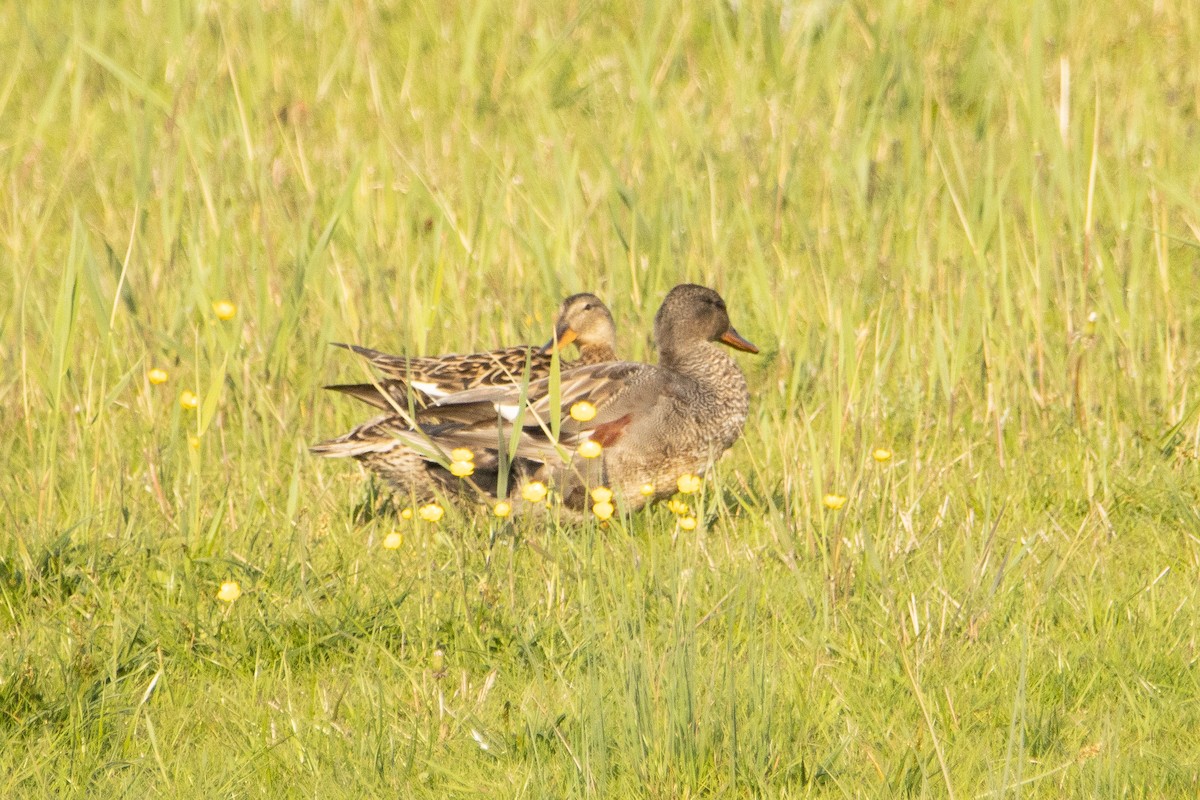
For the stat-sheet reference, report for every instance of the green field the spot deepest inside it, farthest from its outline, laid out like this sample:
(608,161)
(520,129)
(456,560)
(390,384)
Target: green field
(964,233)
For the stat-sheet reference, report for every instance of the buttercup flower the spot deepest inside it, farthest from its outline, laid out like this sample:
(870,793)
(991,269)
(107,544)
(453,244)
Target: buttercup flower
(431,513)
(647,489)
(881,455)
(534,491)
(602,494)
(224,310)
(677,507)
(688,484)
(393,541)
(687,523)
(229,592)
(603,510)
(834,502)
(583,411)
(590,449)
(461,454)
(189,400)
(157,376)
(406,514)
(461,469)
(502,509)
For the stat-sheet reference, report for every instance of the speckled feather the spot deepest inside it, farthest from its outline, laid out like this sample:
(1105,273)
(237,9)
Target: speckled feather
(582,319)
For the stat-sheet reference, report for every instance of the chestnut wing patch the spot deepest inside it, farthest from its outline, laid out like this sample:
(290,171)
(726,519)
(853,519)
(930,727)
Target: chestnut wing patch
(607,434)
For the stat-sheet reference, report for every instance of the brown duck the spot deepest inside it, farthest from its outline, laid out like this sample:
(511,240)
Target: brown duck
(414,463)
(654,423)
(582,319)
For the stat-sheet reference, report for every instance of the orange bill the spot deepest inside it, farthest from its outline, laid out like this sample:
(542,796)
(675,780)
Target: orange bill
(737,342)
(561,339)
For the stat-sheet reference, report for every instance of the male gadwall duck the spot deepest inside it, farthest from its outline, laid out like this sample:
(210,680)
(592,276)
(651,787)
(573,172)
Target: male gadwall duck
(582,319)
(643,425)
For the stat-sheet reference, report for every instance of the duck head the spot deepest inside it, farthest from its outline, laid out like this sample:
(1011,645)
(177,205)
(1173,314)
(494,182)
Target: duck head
(584,320)
(691,314)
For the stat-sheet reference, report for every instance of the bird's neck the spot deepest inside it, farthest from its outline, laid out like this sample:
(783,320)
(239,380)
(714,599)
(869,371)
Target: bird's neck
(709,364)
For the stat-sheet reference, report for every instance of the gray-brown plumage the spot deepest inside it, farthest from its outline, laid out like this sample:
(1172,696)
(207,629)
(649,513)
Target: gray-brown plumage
(654,422)
(582,319)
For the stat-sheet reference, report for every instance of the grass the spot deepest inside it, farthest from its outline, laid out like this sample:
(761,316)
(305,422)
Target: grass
(967,233)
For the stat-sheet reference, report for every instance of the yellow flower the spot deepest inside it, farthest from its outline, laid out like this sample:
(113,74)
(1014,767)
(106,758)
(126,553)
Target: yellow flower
(194,442)
(881,455)
(431,513)
(687,523)
(583,411)
(688,484)
(502,509)
(590,449)
(602,494)
(534,491)
(461,469)
(224,310)
(834,502)
(647,489)
(393,541)
(229,592)
(603,510)
(406,514)
(189,400)
(157,376)
(677,507)
(462,454)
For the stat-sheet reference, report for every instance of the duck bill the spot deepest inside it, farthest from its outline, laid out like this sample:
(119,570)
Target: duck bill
(562,338)
(738,342)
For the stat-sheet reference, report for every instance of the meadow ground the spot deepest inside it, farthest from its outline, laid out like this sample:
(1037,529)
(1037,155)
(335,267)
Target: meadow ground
(964,233)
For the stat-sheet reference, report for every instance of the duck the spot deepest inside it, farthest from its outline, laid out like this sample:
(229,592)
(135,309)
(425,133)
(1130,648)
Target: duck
(406,454)
(582,319)
(649,423)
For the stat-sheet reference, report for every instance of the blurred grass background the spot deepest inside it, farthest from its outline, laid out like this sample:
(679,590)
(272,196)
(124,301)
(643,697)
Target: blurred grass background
(965,233)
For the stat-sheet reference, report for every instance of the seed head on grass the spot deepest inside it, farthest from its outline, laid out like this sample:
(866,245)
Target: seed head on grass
(534,491)
(224,310)
(834,502)
(393,541)
(431,512)
(188,400)
(229,592)
(157,376)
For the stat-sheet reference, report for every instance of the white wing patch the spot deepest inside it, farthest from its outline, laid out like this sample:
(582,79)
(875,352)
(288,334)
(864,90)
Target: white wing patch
(431,389)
